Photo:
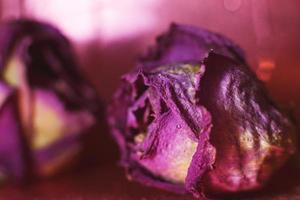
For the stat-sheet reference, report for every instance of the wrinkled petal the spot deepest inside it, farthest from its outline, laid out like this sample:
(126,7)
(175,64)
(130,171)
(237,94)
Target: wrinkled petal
(252,136)
(185,43)
(193,117)
(156,113)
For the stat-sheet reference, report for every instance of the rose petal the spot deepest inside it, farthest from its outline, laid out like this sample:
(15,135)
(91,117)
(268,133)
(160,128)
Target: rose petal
(13,151)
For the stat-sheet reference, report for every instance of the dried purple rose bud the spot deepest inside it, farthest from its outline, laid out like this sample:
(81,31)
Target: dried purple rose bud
(190,119)
(55,104)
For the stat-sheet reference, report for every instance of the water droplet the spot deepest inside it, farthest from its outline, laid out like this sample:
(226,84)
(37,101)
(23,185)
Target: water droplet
(178,126)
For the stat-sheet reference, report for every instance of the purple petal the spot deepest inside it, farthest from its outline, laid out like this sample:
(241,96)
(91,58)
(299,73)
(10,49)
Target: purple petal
(184,43)
(13,152)
(253,138)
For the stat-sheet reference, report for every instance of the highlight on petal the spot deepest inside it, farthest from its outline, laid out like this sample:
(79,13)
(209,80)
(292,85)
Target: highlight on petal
(14,73)
(175,155)
(51,121)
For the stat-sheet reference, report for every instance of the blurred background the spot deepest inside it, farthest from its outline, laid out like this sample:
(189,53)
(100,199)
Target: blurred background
(103,30)
(108,35)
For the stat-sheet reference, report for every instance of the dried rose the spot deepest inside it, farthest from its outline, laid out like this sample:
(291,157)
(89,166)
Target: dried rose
(203,123)
(55,104)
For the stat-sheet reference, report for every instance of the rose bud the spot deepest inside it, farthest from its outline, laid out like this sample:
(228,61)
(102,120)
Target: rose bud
(190,120)
(55,104)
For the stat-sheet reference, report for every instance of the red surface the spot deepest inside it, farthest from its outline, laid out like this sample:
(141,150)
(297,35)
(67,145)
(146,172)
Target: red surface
(107,182)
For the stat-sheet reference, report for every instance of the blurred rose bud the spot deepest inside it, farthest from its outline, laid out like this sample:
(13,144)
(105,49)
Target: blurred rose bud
(194,117)
(46,104)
